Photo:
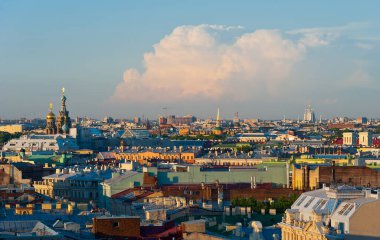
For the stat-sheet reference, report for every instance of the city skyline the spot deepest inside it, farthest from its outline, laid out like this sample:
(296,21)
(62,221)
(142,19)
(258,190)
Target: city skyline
(245,57)
(189,119)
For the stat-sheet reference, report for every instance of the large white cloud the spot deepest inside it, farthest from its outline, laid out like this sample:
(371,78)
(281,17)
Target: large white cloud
(196,61)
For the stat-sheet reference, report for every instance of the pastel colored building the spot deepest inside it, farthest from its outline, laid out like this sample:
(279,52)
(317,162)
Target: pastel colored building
(313,176)
(343,212)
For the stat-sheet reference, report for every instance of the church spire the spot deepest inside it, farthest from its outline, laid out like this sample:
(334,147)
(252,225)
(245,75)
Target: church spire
(218,119)
(218,130)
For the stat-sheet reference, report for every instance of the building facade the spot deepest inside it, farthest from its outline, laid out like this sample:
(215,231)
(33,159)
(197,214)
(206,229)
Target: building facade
(13,128)
(312,176)
(349,138)
(309,115)
(333,213)
(365,139)
(31,143)
(146,155)
(73,184)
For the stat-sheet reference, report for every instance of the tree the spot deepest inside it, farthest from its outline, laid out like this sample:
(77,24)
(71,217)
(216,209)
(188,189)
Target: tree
(6,136)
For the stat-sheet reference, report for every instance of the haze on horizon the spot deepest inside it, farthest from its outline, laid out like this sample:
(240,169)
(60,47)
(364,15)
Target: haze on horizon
(133,58)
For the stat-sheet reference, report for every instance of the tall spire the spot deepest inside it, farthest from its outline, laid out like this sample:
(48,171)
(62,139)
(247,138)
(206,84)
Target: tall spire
(218,129)
(218,119)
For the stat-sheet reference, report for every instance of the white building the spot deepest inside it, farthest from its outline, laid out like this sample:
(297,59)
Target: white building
(343,212)
(252,137)
(349,138)
(309,115)
(365,139)
(31,143)
(74,184)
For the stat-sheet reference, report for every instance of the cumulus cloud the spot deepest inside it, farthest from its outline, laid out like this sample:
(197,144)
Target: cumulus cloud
(314,37)
(197,62)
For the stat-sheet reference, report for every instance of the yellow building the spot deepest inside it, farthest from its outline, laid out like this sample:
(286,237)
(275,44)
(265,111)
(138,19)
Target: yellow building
(14,128)
(311,230)
(322,161)
(45,187)
(312,176)
(24,211)
(143,157)
(184,131)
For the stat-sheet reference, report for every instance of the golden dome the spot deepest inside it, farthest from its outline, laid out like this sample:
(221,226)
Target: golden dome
(50,115)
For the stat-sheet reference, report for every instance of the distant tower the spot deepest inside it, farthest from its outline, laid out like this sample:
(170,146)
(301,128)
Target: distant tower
(236,119)
(309,115)
(63,120)
(147,124)
(218,129)
(50,121)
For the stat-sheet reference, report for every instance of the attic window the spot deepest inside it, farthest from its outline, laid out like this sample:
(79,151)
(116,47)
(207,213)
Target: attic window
(348,210)
(301,200)
(343,209)
(308,203)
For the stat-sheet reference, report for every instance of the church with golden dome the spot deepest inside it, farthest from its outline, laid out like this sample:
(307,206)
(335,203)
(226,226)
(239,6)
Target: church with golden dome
(60,124)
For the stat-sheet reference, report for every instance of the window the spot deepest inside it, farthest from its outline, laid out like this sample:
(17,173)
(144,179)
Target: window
(317,204)
(320,206)
(343,209)
(308,202)
(348,210)
(115,224)
(301,200)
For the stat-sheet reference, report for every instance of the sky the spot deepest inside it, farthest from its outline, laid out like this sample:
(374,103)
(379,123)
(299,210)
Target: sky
(263,59)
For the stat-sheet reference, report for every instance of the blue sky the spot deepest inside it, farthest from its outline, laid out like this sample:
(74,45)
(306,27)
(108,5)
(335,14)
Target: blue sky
(117,57)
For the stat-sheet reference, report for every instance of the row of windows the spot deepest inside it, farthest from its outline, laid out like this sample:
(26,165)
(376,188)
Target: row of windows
(77,194)
(173,157)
